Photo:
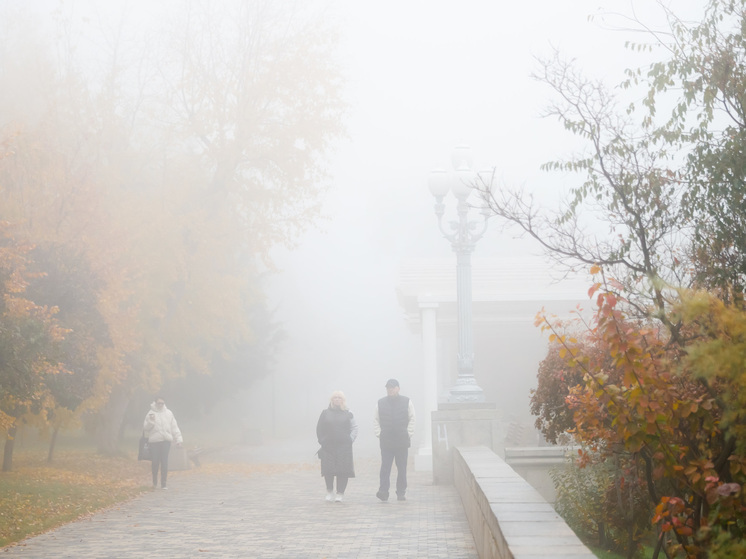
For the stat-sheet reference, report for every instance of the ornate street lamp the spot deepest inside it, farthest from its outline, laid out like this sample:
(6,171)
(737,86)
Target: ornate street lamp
(463,236)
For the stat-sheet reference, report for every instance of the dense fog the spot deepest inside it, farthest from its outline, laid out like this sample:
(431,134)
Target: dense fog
(424,78)
(419,78)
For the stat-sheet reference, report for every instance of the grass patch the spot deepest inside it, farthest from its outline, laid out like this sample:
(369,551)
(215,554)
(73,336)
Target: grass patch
(603,554)
(645,553)
(37,496)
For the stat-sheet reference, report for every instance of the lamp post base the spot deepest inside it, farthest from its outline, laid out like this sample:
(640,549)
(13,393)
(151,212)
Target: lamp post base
(466,390)
(462,424)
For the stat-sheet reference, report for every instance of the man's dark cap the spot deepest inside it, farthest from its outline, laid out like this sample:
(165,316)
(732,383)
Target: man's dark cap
(391,383)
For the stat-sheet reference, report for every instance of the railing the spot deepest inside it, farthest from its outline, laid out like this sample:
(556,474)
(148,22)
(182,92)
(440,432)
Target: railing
(508,518)
(534,464)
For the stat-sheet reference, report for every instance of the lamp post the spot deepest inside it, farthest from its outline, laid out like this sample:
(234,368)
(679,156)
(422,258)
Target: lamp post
(463,235)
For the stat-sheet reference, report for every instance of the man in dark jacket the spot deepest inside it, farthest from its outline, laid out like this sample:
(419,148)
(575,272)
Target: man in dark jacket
(394,426)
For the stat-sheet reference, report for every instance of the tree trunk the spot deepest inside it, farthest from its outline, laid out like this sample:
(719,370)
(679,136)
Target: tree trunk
(110,418)
(122,428)
(602,540)
(660,546)
(631,545)
(52,443)
(10,440)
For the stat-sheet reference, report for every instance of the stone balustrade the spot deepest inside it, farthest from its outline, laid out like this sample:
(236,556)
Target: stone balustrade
(509,519)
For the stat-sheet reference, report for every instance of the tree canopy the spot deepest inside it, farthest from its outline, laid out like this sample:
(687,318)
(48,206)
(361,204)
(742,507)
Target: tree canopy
(661,357)
(153,162)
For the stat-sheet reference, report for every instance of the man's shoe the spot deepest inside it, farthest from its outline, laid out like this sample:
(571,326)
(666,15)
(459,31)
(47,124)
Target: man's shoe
(383,496)
(401,498)
(338,498)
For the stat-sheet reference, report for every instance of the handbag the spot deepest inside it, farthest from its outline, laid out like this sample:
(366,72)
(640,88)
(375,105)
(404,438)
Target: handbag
(143,450)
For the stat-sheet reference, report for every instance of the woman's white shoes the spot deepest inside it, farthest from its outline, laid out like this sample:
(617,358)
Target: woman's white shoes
(338,498)
(330,497)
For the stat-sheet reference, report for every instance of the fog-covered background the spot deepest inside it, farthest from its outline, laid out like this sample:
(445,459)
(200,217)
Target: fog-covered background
(417,79)
(425,77)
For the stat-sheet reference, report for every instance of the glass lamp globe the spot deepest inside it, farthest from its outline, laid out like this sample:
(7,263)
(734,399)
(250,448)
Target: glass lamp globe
(461,158)
(463,184)
(438,183)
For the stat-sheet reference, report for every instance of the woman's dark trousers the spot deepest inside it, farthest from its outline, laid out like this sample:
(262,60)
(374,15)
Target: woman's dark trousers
(159,452)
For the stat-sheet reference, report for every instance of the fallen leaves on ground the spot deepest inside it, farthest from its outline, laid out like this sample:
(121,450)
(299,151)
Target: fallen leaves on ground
(37,496)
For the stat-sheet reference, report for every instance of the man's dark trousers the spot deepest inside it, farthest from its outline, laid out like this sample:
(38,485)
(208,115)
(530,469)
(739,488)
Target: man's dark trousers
(388,456)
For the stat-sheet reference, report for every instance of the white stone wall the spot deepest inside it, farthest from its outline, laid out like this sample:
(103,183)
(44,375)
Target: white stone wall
(509,519)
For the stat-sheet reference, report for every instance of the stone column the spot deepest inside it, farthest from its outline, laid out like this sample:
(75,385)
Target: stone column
(428,314)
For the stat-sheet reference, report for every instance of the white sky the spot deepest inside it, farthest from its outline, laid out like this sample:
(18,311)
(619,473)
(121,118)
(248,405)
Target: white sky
(425,76)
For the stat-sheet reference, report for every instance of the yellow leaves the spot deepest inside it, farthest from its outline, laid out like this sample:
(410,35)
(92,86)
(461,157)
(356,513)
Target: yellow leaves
(693,473)
(6,421)
(35,496)
(634,443)
(545,322)
(568,351)
(172,244)
(540,320)
(638,394)
(737,465)
(629,377)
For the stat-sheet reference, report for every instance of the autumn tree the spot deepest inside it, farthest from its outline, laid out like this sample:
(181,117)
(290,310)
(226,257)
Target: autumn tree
(631,189)
(548,400)
(201,394)
(668,187)
(29,341)
(63,279)
(666,408)
(716,358)
(254,91)
(604,500)
(705,75)
(251,100)
(195,146)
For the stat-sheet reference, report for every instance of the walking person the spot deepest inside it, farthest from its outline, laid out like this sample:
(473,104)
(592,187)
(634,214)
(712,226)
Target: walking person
(161,429)
(336,430)
(393,423)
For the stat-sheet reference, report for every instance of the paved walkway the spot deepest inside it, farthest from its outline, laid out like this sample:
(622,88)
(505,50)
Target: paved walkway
(227,512)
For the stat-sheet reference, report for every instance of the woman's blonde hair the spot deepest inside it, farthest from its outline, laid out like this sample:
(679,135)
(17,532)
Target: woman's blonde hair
(341,395)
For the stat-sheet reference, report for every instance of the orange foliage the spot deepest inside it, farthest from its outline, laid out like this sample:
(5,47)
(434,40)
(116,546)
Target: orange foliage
(648,403)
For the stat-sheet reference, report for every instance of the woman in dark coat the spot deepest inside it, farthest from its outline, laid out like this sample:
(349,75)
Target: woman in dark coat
(336,431)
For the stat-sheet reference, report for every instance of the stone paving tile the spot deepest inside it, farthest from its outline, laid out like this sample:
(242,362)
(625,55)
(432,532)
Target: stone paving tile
(277,515)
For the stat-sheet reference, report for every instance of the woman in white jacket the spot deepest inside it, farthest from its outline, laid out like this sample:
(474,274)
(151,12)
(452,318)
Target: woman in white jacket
(161,429)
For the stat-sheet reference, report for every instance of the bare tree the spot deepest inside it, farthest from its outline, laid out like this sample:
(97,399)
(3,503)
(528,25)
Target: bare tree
(626,215)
